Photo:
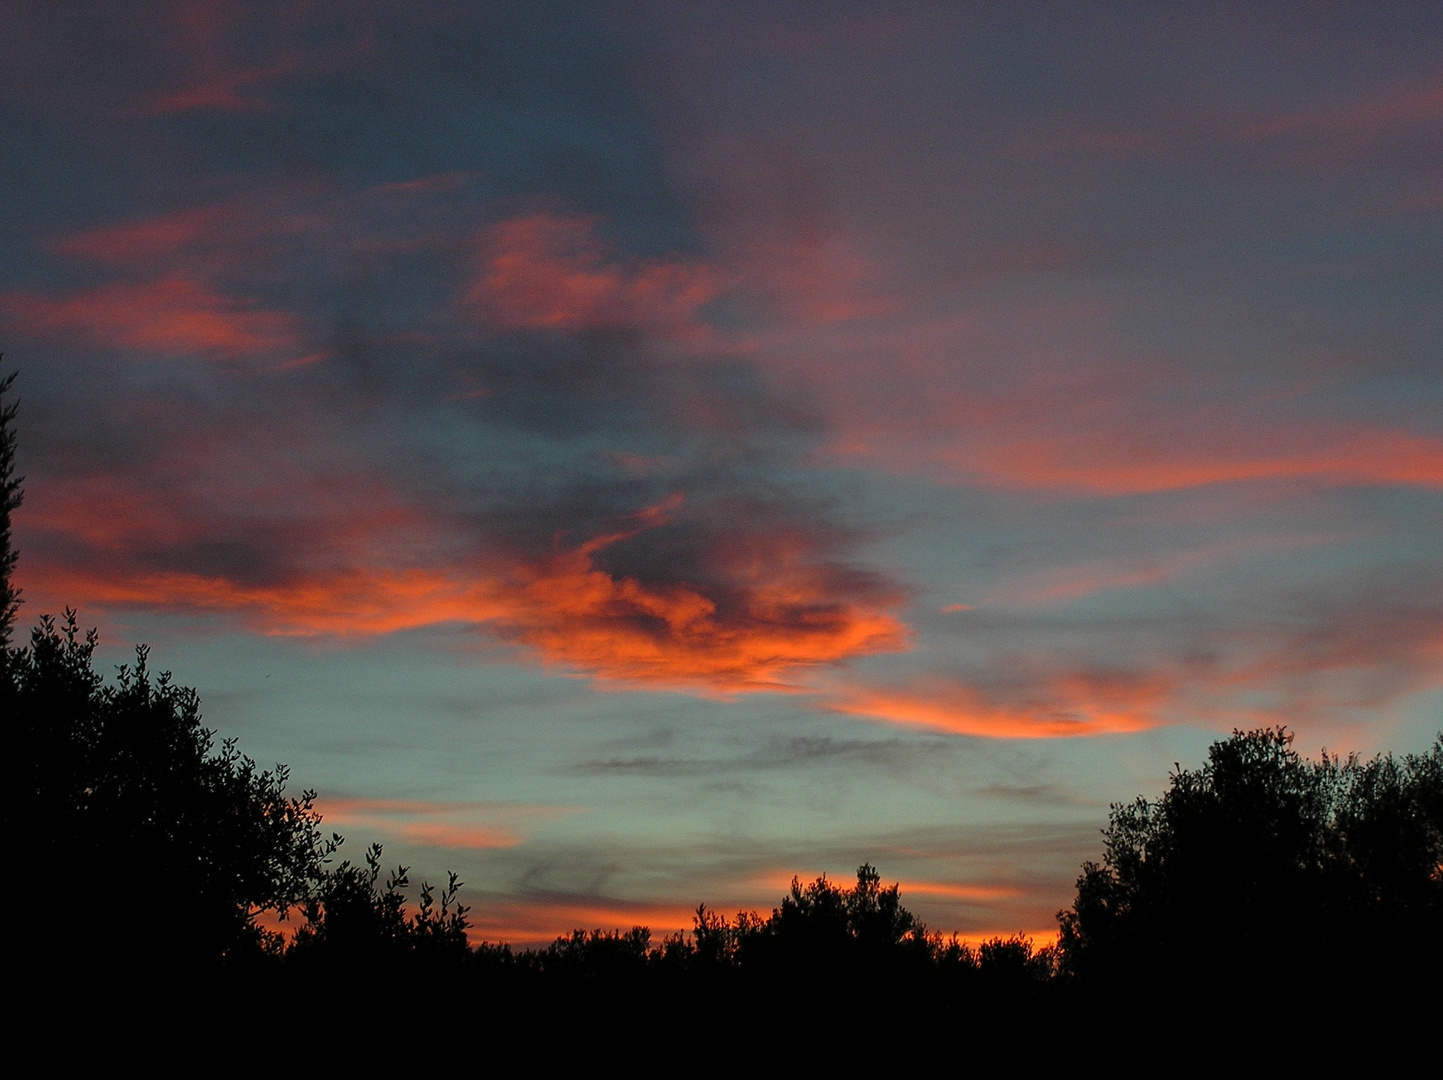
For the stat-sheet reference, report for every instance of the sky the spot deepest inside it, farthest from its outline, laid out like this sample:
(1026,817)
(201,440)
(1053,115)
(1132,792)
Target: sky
(634,454)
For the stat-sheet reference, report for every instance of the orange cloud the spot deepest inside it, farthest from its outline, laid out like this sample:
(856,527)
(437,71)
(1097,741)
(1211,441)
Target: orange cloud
(351,603)
(1040,938)
(774,614)
(459,825)
(626,630)
(957,890)
(1062,706)
(1092,431)
(172,315)
(548,272)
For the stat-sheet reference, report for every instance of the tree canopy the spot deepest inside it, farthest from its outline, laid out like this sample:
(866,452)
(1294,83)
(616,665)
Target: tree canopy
(1244,868)
(157,848)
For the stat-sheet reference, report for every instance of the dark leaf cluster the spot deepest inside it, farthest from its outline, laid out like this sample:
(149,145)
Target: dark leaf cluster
(1265,870)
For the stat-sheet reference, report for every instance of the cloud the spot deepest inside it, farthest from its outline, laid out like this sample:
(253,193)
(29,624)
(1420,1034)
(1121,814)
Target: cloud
(625,515)
(553,272)
(1066,705)
(156,237)
(172,316)
(753,614)
(230,53)
(1049,397)
(1335,664)
(468,826)
(1063,584)
(1323,454)
(777,754)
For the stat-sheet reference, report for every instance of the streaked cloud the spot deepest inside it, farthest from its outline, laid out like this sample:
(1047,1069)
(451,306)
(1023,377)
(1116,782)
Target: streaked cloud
(1069,705)
(550,272)
(173,316)
(456,826)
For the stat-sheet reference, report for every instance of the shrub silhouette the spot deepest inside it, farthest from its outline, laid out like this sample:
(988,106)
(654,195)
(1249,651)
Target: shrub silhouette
(352,923)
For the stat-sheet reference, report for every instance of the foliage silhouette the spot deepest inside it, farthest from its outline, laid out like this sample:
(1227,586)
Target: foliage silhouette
(181,846)
(11,495)
(1233,878)
(162,851)
(824,928)
(353,923)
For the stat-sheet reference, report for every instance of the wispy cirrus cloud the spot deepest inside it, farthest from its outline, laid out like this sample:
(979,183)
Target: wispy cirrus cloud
(226,55)
(1060,401)
(171,316)
(457,826)
(1067,704)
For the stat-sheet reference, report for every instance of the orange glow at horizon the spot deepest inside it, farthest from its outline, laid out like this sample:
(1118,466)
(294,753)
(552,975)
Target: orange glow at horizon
(780,882)
(542,921)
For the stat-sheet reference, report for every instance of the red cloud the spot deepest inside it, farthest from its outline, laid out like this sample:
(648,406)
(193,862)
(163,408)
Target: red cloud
(227,53)
(173,315)
(548,272)
(145,239)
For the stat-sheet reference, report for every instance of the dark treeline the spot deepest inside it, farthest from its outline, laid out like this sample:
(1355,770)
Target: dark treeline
(150,860)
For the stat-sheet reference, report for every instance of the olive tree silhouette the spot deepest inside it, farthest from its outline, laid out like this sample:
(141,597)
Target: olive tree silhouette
(164,847)
(353,923)
(1263,870)
(142,843)
(157,850)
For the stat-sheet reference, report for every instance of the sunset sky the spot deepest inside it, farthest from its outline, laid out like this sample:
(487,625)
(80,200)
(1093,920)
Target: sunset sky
(631,454)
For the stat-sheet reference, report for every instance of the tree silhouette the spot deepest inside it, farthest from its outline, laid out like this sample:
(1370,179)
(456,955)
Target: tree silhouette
(11,495)
(164,847)
(352,923)
(1235,876)
(145,844)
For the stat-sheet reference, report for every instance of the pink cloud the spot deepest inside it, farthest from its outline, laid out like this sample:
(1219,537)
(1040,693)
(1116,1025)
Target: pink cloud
(174,315)
(226,54)
(551,272)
